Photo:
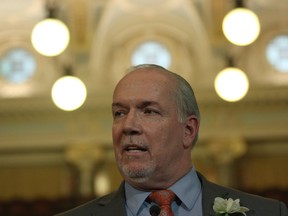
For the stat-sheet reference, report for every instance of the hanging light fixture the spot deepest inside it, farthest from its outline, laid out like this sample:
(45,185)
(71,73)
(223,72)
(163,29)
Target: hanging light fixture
(68,92)
(50,37)
(231,84)
(241,26)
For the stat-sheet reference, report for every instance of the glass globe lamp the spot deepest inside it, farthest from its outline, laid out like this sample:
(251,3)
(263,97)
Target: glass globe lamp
(241,26)
(231,84)
(68,93)
(50,37)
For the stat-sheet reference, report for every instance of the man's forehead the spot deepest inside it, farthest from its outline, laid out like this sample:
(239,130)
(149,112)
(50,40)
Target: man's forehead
(146,74)
(139,92)
(138,103)
(144,79)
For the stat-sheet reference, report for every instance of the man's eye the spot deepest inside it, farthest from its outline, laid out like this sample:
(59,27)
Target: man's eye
(151,111)
(118,114)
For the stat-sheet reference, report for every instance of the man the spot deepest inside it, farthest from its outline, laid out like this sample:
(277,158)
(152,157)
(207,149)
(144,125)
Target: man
(156,123)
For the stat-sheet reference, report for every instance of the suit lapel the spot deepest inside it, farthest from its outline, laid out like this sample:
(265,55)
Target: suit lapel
(208,196)
(210,191)
(115,204)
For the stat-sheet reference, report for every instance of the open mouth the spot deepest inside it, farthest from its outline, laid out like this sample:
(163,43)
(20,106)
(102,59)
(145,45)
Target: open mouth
(134,148)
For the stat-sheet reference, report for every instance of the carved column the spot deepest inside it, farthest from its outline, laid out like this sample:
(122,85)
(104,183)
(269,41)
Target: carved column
(85,158)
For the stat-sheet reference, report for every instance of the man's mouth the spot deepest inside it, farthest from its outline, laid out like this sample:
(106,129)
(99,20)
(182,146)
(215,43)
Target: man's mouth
(135,148)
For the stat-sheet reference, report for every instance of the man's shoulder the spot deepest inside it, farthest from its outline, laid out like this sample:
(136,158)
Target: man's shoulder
(85,208)
(258,204)
(97,206)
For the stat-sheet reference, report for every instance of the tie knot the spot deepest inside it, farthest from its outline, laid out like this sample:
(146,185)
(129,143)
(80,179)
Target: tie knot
(162,197)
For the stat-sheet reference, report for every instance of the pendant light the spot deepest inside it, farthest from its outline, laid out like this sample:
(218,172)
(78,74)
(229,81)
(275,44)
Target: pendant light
(68,92)
(231,83)
(241,25)
(50,37)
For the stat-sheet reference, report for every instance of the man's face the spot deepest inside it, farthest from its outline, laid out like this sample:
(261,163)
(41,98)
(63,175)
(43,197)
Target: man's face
(147,136)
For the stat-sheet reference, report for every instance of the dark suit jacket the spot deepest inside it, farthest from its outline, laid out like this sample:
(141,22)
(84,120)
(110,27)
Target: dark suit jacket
(114,204)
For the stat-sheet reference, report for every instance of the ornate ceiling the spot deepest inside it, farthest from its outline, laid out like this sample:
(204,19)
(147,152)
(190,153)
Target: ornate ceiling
(104,33)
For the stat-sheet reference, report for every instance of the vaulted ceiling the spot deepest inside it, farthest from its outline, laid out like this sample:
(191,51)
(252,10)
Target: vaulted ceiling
(104,33)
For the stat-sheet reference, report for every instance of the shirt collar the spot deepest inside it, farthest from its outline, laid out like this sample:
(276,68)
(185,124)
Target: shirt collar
(187,189)
(134,198)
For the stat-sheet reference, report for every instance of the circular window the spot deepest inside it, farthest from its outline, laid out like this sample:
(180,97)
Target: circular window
(151,52)
(277,53)
(17,65)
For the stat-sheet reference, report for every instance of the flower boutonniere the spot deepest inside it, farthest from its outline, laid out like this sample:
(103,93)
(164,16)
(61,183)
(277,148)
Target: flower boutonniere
(226,207)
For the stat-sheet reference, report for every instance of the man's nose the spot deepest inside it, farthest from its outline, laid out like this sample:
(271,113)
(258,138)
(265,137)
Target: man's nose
(132,123)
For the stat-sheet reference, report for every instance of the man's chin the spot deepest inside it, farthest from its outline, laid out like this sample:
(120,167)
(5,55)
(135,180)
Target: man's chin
(137,173)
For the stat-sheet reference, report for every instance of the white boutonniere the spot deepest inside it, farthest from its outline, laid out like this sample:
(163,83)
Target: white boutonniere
(226,207)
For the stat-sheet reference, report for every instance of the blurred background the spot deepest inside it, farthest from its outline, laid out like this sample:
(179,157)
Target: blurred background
(54,156)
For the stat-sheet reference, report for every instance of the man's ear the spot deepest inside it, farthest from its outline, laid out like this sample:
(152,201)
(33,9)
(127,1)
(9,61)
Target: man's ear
(190,131)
